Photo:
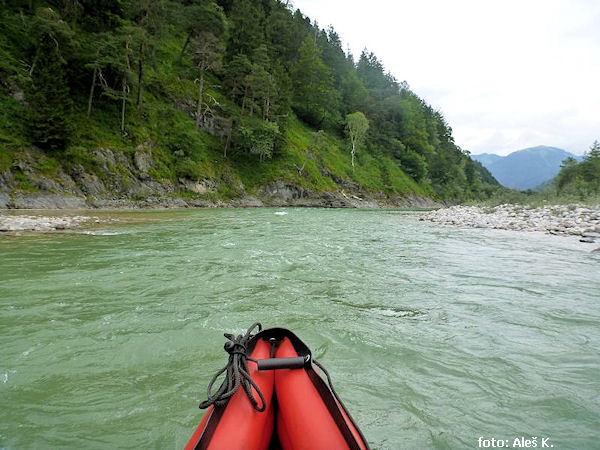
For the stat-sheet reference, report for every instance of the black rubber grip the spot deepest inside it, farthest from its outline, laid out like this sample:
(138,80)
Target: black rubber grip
(281,363)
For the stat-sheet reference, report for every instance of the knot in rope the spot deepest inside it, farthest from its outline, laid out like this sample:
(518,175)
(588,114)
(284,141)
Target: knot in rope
(236,373)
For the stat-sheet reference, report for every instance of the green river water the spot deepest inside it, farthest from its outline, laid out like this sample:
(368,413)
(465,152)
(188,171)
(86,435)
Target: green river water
(434,336)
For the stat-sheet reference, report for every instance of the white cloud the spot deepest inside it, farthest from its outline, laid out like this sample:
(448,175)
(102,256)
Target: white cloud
(507,74)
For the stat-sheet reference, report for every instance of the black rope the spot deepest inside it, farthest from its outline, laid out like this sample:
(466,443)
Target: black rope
(318,364)
(236,373)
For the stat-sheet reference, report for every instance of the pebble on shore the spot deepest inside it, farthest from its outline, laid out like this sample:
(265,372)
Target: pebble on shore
(12,223)
(569,220)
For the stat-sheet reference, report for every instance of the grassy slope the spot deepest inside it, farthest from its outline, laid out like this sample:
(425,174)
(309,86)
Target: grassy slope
(179,149)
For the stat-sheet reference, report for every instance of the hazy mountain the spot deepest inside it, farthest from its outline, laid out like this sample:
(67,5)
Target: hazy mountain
(527,168)
(486,158)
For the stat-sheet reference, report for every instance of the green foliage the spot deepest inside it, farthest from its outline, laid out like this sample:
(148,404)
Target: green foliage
(581,178)
(48,25)
(412,162)
(188,168)
(353,91)
(76,154)
(196,18)
(247,32)
(5,161)
(100,16)
(313,84)
(14,131)
(49,99)
(502,195)
(256,137)
(23,182)
(120,73)
(357,126)
(182,140)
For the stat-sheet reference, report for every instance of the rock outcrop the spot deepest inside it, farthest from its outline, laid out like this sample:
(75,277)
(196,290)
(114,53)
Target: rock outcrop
(115,179)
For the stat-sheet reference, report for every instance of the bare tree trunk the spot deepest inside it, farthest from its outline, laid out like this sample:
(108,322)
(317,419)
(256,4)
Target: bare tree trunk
(244,100)
(199,104)
(140,75)
(227,145)
(228,126)
(35,60)
(266,108)
(353,149)
(124,87)
(124,94)
(185,44)
(91,97)
(301,169)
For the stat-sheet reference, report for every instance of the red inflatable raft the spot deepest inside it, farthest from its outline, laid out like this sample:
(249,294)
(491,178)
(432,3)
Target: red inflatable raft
(283,404)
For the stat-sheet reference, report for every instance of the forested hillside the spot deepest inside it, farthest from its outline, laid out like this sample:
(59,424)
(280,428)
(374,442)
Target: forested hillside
(210,99)
(581,178)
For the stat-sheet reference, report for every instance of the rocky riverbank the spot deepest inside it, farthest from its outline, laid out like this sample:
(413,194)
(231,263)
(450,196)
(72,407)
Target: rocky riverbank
(276,194)
(17,223)
(569,220)
(116,179)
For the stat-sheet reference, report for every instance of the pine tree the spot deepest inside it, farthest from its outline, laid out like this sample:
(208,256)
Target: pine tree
(236,72)
(201,18)
(247,32)
(49,99)
(206,54)
(313,83)
(150,17)
(591,167)
(119,54)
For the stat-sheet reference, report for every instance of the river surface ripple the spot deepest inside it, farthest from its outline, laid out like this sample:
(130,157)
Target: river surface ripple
(434,335)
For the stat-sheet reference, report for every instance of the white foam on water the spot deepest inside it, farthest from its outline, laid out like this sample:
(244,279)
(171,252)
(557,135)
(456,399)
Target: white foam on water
(281,213)
(103,233)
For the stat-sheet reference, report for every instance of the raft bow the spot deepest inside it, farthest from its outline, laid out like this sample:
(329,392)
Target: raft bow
(283,404)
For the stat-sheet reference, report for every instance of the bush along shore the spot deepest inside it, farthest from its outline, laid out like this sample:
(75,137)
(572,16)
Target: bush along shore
(567,220)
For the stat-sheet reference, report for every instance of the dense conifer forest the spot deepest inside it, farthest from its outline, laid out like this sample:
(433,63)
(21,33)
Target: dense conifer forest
(242,92)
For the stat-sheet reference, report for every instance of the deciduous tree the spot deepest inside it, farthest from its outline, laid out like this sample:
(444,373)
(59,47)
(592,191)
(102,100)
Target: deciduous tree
(357,126)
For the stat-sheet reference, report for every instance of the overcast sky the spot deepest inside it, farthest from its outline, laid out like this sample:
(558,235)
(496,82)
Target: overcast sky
(506,74)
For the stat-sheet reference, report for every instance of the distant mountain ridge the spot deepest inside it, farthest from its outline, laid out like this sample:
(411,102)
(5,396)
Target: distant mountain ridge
(527,168)
(486,158)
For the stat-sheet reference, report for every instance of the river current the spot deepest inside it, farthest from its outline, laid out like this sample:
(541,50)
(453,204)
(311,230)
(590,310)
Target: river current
(434,336)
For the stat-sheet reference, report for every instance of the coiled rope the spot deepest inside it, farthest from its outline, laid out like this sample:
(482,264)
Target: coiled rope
(236,373)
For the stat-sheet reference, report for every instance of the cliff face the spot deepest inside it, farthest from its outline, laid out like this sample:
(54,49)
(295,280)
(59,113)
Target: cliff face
(117,179)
